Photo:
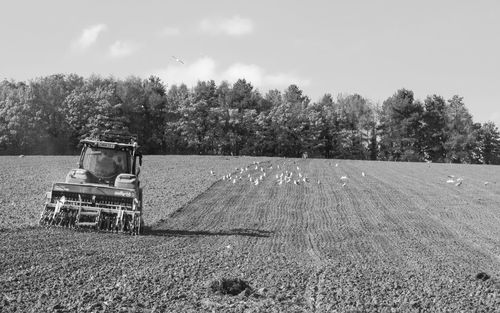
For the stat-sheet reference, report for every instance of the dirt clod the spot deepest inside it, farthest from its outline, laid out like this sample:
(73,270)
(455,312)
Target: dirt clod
(482,276)
(230,286)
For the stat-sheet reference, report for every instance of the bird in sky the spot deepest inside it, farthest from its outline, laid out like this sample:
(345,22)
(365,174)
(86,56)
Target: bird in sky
(177,59)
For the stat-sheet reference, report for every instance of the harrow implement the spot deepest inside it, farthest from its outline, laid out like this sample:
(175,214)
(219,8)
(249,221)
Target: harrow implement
(92,207)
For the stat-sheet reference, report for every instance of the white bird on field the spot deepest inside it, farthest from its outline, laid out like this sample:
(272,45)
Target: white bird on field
(450,181)
(343,185)
(336,165)
(256,182)
(295,182)
(298,168)
(486,183)
(234,180)
(319,182)
(343,177)
(212,172)
(458,184)
(300,175)
(177,59)
(363,174)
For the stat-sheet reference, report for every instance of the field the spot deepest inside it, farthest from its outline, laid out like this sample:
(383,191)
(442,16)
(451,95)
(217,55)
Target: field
(355,236)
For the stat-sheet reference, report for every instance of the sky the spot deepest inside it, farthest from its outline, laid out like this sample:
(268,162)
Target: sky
(372,48)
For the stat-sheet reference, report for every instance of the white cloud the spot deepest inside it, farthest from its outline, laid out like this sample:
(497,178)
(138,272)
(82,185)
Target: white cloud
(88,37)
(234,26)
(206,69)
(121,49)
(170,31)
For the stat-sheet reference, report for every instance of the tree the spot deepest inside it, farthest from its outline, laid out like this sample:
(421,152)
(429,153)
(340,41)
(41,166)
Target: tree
(489,143)
(400,124)
(433,131)
(460,144)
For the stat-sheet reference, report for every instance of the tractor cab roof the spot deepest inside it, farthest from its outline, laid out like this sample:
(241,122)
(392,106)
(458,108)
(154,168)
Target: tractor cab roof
(95,143)
(113,140)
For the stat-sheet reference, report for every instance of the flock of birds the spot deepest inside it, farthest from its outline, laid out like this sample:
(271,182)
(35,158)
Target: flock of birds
(256,173)
(291,174)
(459,180)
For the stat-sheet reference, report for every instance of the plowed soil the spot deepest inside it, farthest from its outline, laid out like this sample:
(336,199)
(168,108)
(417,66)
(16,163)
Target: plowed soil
(399,238)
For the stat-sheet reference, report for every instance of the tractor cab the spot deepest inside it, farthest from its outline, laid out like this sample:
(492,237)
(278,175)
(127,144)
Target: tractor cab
(108,160)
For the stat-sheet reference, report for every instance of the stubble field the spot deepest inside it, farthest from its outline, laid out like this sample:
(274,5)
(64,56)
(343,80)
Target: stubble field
(398,238)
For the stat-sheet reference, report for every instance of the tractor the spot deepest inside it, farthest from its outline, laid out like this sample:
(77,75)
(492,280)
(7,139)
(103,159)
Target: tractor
(104,192)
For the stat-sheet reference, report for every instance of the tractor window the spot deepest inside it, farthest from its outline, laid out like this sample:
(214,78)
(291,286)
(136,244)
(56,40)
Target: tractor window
(105,162)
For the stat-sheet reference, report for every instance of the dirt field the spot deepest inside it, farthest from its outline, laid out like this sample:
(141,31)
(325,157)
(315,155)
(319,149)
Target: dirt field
(398,238)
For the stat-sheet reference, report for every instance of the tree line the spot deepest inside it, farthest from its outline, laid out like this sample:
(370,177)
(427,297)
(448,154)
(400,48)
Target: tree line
(49,115)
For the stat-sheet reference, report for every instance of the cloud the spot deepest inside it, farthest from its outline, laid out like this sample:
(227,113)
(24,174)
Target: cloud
(170,31)
(88,37)
(234,26)
(206,68)
(121,49)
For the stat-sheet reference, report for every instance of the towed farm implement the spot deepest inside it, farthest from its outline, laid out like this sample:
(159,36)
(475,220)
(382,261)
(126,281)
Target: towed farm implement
(104,192)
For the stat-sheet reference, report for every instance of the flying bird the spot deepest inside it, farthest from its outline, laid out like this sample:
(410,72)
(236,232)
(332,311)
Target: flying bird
(177,59)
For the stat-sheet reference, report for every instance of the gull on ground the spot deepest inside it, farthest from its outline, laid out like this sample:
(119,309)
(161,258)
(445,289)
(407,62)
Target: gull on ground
(343,185)
(343,177)
(459,183)
(212,172)
(234,181)
(363,174)
(450,181)
(336,165)
(256,182)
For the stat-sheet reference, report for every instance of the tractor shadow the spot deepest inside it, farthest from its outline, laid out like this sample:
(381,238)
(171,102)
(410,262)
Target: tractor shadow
(246,232)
